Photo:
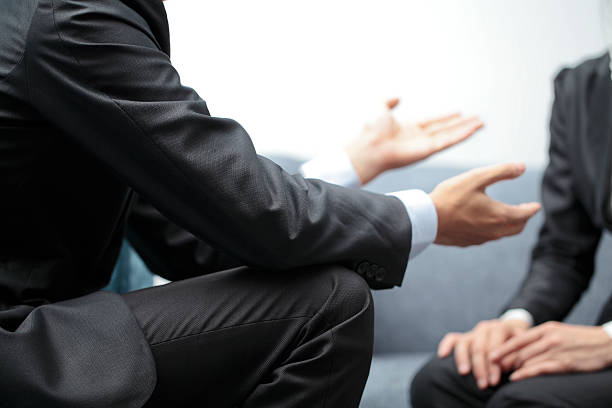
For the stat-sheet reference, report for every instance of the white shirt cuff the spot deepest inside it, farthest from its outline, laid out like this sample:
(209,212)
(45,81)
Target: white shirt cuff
(518,314)
(333,167)
(423,216)
(608,328)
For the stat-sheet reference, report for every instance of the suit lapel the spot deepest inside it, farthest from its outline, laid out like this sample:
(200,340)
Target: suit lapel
(601,127)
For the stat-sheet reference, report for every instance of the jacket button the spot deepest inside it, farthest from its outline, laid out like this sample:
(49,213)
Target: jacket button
(380,274)
(363,267)
(372,271)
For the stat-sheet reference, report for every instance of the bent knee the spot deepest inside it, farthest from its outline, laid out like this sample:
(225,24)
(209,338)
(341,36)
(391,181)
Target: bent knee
(350,294)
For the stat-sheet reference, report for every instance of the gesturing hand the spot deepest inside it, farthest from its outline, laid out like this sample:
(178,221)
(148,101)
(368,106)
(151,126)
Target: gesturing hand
(387,144)
(468,216)
(553,348)
(472,348)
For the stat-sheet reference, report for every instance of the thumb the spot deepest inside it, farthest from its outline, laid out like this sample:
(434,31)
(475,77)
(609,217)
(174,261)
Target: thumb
(392,103)
(485,176)
(522,212)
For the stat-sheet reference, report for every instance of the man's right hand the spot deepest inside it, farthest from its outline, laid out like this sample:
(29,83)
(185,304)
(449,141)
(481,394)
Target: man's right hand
(468,216)
(472,348)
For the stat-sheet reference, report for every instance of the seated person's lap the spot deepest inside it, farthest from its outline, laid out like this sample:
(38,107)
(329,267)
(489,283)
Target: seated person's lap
(247,335)
(439,385)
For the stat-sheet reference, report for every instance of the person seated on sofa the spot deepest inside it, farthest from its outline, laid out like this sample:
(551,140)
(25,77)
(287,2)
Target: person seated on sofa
(527,358)
(271,306)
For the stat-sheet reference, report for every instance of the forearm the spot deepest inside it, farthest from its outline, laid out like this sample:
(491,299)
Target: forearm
(335,166)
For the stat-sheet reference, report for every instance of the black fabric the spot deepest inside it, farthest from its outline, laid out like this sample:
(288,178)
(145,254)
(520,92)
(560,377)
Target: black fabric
(254,338)
(609,195)
(83,352)
(92,115)
(170,251)
(439,385)
(575,192)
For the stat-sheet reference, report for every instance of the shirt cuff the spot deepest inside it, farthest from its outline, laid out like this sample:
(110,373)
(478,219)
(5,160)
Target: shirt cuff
(423,217)
(608,328)
(518,314)
(333,167)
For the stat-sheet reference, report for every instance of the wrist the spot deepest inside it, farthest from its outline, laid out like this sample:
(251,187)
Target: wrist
(606,342)
(364,161)
(516,324)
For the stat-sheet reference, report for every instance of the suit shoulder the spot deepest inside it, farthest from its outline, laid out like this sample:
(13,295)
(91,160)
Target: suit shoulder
(570,80)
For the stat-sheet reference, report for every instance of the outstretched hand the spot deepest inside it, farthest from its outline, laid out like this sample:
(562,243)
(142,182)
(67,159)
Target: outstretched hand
(468,216)
(388,144)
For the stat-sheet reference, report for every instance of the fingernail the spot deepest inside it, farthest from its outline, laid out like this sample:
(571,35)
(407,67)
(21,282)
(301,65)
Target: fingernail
(520,167)
(492,380)
(482,384)
(463,368)
(513,377)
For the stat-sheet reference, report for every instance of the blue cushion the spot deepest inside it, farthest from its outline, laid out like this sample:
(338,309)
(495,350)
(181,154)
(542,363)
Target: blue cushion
(389,380)
(130,272)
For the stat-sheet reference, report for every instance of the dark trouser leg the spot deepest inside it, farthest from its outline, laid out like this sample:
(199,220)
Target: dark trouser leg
(438,385)
(249,338)
(584,390)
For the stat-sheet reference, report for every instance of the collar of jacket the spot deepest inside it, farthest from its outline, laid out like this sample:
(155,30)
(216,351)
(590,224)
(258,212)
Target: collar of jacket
(154,13)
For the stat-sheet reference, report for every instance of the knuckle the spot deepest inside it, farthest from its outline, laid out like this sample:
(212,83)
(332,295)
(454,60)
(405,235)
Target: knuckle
(551,325)
(482,325)
(565,364)
(554,340)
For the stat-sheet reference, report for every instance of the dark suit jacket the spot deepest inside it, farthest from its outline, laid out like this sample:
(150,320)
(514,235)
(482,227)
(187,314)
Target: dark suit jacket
(575,193)
(92,114)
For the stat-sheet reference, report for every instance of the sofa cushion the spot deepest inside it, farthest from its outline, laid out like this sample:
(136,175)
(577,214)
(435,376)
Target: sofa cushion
(389,380)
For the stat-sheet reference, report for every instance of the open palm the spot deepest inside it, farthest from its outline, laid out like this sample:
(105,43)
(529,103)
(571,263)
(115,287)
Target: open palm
(388,144)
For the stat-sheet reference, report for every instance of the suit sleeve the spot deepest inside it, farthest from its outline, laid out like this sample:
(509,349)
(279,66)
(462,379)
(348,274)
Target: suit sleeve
(562,262)
(101,79)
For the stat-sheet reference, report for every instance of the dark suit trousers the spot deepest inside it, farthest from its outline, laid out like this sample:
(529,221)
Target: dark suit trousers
(438,385)
(252,338)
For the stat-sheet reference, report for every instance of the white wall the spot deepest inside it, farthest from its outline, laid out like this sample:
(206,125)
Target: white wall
(301,76)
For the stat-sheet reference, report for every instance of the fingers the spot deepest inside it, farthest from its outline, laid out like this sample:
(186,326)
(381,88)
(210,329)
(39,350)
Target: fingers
(508,362)
(454,124)
(519,214)
(514,344)
(390,104)
(495,373)
(448,344)
(485,176)
(440,119)
(479,351)
(450,136)
(537,369)
(496,338)
(534,350)
(462,356)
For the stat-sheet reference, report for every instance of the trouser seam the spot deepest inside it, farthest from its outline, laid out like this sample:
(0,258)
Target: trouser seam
(228,327)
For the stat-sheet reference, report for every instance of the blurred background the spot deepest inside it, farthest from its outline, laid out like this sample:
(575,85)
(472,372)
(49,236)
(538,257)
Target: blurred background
(303,76)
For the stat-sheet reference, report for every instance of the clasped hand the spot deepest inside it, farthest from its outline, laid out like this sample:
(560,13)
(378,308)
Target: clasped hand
(495,347)
(554,348)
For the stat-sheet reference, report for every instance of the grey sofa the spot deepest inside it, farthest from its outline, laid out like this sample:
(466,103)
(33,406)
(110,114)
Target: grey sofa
(450,289)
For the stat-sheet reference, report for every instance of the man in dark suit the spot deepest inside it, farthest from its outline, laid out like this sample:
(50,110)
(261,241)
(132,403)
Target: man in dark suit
(552,364)
(271,307)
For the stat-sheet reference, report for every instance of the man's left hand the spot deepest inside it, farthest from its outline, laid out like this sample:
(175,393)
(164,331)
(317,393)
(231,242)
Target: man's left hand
(555,348)
(387,144)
